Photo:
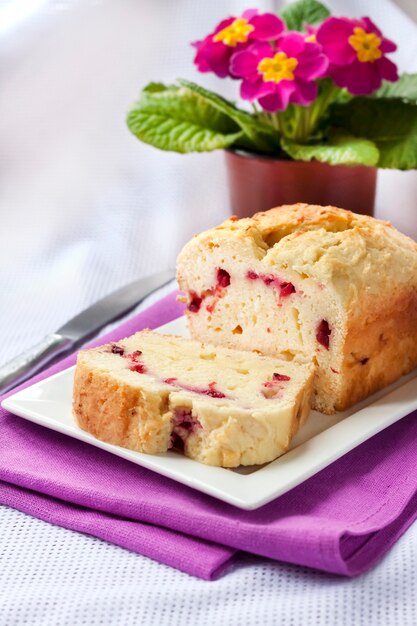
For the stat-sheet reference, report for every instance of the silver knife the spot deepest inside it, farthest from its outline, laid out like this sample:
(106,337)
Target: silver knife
(82,327)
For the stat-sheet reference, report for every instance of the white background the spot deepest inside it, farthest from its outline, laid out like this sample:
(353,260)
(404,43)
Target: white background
(86,208)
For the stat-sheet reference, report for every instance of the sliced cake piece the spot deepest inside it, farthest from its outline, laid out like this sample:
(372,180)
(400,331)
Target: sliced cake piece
(322,282)
(152,392)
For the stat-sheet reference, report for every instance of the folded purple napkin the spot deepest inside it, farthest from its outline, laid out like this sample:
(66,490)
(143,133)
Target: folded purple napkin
(341,520)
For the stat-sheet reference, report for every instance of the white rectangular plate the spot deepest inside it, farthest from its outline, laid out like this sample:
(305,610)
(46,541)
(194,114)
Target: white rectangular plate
(321,441)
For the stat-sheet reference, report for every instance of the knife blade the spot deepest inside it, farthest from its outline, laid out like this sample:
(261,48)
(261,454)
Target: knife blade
(80,328)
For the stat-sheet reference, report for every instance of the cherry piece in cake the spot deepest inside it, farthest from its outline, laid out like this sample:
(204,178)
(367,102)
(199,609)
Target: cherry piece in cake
(270,280)
(115,349)
(323,334)
(195,302)
(280,377)
(223,278)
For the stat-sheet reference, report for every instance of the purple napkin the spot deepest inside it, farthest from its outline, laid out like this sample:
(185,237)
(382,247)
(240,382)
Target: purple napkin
(342,520)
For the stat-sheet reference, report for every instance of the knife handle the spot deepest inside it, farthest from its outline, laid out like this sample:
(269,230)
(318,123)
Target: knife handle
(25,365)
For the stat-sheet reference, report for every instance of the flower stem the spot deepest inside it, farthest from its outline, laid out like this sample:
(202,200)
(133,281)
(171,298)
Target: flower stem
(319,107)
(280,122)
(307,118)
(302,126)
(274,119)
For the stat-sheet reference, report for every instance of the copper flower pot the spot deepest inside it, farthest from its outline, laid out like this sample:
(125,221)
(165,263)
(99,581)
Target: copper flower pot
(258,183)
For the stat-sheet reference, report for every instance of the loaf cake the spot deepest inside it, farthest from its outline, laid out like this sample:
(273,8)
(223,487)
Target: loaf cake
(153,392)
(309,281)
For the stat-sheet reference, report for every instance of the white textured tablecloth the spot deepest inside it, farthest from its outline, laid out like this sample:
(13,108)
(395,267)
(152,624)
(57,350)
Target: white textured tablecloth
(85,208)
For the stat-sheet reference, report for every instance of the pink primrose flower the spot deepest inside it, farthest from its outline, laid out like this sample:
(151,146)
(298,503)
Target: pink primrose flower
(356,50)
(280,75)
(233,34)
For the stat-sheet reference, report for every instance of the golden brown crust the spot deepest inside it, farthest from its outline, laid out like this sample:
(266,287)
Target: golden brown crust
(118,413)
(301,217)
(381,349)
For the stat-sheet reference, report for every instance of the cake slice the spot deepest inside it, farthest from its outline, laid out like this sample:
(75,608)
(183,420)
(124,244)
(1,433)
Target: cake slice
(312,281)
(153,392)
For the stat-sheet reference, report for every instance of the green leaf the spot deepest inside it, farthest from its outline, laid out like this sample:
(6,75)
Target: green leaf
(177,119)
(339,150)
(390,123)
(258,135)
(154,87)
(405,88)
(297,14)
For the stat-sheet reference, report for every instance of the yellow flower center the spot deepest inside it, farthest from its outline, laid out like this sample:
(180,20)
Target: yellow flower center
(311,39)
(279,67)
(366,45)
(237,32)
